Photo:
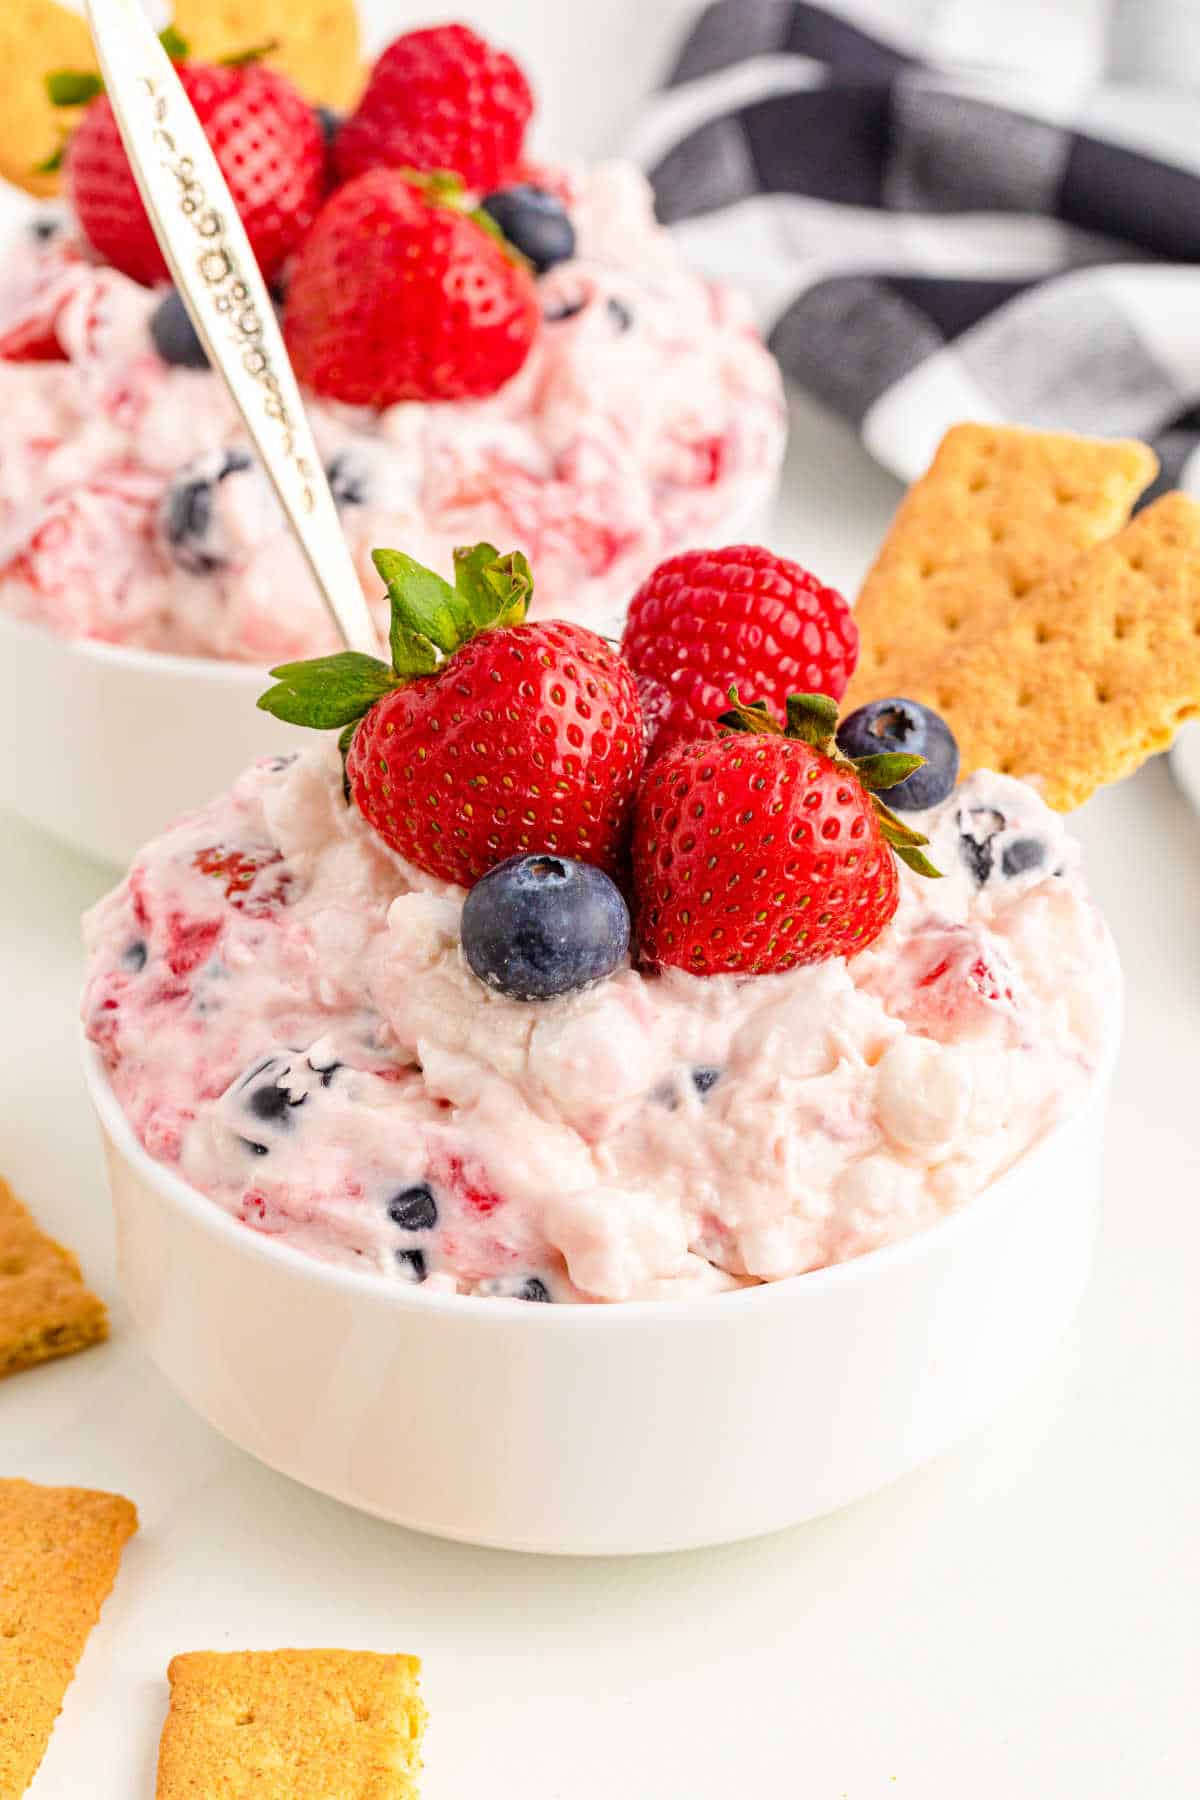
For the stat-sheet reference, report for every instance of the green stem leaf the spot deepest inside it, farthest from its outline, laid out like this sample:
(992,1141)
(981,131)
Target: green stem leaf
(750,715)
(175,44)
(812,718)
(886,770)
(486,223)
(423,605)
(441,187)
(345,739)
(471,562)
(412,654)
(239,59)
(73,87)
(495,588)
(908,853)
(893,828)
(327,692)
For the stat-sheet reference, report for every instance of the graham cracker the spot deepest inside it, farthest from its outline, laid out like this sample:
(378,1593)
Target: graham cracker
(59,1553)
(998,510)
(1093,673)
(292,1725)
(36,37)
(46,1307)
(316,42)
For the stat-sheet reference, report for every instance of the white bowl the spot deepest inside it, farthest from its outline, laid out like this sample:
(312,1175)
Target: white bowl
(102,745)
(1185,761)
(653,1425)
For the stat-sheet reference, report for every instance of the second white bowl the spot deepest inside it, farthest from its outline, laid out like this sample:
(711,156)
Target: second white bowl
(103,745)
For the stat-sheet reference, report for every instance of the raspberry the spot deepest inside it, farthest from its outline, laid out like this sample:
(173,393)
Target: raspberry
(707,619)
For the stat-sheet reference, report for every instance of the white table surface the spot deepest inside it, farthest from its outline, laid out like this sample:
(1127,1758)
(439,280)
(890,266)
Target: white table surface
(1019,1619)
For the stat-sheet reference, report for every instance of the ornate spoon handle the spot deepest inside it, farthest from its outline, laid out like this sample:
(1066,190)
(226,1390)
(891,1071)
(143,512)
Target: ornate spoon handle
(209,255)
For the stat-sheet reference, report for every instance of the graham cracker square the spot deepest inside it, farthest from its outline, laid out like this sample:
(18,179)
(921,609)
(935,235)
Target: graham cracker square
(292,1725)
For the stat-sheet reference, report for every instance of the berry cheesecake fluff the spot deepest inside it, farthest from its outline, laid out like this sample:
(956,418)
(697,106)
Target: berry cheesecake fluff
(492,998)
(492,349)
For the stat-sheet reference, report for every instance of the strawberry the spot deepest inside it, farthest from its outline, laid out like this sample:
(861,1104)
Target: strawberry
(238,870)
(711,617)
(754,854)
(486,737)
(400,294)
(266,138)
(442,98)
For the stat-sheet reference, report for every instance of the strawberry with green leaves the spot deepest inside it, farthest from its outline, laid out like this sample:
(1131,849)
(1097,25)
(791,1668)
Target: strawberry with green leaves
(263,133)
(767,848)
(485,736)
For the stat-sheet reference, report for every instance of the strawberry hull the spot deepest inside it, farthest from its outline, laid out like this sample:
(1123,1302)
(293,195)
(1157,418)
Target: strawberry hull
(287,1019)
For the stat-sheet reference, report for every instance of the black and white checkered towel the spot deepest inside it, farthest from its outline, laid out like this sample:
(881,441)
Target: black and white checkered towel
(952,209)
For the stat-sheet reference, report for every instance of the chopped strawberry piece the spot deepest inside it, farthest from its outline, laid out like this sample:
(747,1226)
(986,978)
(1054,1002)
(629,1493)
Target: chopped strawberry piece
(189,942)
(239,870)
(470,1186)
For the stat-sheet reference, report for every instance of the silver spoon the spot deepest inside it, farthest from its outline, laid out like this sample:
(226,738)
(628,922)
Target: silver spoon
(213,266)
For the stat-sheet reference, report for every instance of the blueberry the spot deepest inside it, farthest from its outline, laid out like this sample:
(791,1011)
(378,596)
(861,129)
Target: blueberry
(904,725)
(413,1264)
(557,310)
(534,222)
(539,926)
(1022,855)
(348,481)
(705,1077)
(329,121)
(133,957)
(414,1208)
(977,829)
(188,512)
(620,314)
(266,1094)
(272,1104)
(46,226)
(508,1287)
(175,337)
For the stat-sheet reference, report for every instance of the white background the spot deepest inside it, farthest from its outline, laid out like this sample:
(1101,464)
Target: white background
(1019,1620)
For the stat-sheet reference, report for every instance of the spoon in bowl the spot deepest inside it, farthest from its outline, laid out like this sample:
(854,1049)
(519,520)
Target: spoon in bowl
(208,253)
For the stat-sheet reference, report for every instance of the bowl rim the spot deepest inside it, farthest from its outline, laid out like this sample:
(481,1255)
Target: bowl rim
(860,1271)
(135,657)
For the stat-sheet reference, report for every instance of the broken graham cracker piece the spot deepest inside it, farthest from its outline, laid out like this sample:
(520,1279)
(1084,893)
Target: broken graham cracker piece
(46,1307)
(59,1552)
(997,511)
(36,37)
(292,1725)
(315,42)
(1094,673)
